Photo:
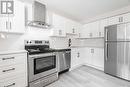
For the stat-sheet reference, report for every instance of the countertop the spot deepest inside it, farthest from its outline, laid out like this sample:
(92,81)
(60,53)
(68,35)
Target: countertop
(57,50)
(12,52)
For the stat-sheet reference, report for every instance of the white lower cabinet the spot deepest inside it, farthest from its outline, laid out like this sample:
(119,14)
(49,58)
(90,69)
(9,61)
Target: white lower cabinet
(94,57)
(76,57)
(98,58)
(14,82)
(13,70)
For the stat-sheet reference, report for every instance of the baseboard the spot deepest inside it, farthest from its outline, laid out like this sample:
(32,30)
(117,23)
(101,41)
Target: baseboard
(96,67)
(74,67)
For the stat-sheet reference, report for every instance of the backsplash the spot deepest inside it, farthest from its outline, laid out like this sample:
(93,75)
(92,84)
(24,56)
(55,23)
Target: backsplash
(16,42)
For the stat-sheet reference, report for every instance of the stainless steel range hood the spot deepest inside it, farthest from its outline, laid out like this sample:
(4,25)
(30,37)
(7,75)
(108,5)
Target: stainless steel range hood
(38,16)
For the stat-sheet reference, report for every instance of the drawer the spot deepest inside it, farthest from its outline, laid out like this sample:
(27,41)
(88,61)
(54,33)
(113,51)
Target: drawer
(13,59)
(12,70)
(20,81)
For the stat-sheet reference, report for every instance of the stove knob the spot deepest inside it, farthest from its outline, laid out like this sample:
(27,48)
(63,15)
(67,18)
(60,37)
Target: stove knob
(47,42)
(27,42)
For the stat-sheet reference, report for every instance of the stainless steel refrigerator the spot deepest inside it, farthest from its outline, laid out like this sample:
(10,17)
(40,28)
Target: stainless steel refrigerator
(117,51)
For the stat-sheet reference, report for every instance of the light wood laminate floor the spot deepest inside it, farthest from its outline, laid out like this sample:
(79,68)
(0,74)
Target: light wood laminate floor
(85,76)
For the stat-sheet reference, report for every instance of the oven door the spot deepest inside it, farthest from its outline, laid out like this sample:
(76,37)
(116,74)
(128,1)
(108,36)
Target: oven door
(42,65)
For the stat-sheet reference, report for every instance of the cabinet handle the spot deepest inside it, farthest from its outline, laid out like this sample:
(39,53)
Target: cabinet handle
(121,19)
(60,32)
(8,58)
(92,50)
(6,25)
(8,70)
(99,33)
(90,34)
(10,85)
(78,54)
(10,25)
(79,34)
(73,30)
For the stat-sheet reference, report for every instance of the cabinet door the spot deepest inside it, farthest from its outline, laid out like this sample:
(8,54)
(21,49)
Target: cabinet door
(75,27)
(98,58)
(74,60)
(58,26)
(126,17)
(113,20)
(86,31)
(4,24)
(75,57)
(116,20)
(71,27)
(94,29)
(17,22)
(103,24)
(88,56)
(68,26)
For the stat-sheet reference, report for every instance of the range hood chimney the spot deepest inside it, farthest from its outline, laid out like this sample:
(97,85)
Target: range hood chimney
(38,16)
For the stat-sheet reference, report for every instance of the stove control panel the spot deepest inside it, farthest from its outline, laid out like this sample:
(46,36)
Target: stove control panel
(36,42)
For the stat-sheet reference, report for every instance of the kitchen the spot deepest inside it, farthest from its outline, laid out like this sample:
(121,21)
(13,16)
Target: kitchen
(64,43)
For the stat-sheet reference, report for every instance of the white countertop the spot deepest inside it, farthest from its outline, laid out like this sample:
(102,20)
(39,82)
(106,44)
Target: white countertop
(12,52)
(86,46)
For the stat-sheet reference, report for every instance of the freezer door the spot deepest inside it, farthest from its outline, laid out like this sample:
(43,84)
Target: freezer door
(115,33)
(126,66)
(110,65)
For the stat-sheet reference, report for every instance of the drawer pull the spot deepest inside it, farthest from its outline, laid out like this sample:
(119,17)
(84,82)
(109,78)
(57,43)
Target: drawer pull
(8,58)
(8,70)
(10,85)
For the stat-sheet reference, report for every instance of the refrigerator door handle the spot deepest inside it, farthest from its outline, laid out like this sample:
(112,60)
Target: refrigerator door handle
(106,53)
(106,34)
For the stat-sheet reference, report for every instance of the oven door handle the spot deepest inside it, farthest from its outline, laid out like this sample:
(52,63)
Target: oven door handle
(41,55)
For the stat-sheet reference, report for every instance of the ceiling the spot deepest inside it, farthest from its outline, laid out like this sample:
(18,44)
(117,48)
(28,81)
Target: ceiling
(82,10)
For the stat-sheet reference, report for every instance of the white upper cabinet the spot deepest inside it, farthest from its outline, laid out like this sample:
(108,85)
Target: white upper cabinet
(103,24)
(18,21)
(119,19)
(86,31)
(126,17)
(58,25)
(114,20)
(62,26)
(13,23)
(71,27)
(79,31)
(91,30)
(94,30)
(3,24)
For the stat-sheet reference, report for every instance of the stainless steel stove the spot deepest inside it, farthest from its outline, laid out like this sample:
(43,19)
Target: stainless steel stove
(42,63)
